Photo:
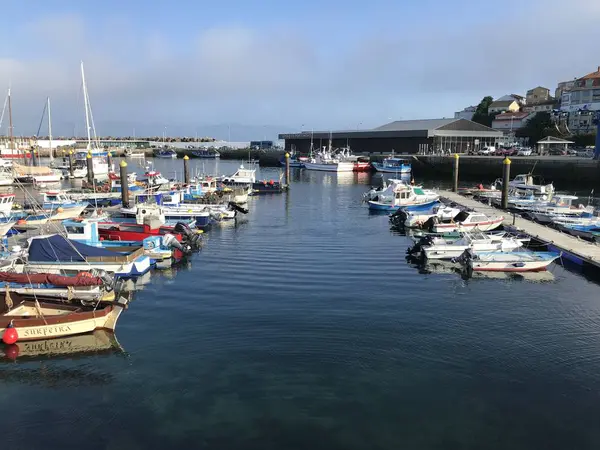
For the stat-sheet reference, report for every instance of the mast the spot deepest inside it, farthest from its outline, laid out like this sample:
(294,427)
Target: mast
(312,134)
(87,112)
(10,124)
(50,130)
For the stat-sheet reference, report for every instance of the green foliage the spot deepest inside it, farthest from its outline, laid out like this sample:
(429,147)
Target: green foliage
(583,140)
(537,128)
(481,113)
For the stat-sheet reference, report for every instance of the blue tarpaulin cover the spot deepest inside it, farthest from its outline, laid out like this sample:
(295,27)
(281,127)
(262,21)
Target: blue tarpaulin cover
(59,248)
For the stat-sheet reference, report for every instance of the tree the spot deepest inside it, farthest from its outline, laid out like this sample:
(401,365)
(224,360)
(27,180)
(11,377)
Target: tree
(537,128)
(481,113)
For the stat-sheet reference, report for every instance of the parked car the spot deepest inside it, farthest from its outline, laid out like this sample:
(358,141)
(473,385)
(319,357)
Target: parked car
(506,151)
(557,152)
(524,151)
(486,151)
(572,152)
(585,153)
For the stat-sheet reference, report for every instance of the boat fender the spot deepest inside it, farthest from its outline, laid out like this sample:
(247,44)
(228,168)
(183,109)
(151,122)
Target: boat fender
(10,335)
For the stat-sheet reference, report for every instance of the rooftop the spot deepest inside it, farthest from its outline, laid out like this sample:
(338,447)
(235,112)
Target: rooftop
(501,103)
(424,124)
(512,116)
(554,140)
(592,75)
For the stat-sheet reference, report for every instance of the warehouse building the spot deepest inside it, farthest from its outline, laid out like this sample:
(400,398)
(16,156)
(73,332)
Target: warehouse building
(403,136)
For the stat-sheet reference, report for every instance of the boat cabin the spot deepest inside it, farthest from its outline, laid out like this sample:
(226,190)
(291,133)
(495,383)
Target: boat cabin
(82,231)
(6,203)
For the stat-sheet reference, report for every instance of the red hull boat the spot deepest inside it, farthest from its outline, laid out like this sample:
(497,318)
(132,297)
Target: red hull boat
(117,231)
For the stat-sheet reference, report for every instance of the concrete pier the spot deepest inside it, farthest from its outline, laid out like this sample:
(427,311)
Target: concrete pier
(573,248)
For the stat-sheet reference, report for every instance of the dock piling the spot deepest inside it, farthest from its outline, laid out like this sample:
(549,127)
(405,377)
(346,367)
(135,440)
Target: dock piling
(34,157)
(455,179)
(505,181)
(186,169)
(109,161)
(71,163)
(124,185)
(90,168)
(287,168)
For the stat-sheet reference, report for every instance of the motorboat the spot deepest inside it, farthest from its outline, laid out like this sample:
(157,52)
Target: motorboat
(439,248)
(407,197)
(589,232)
(387,189)
(529,183)
(393,165)
(242,177)
(165,152)
(295,161)
(203,153)
(560,205)
(159,247)
(6,175)
(417,219)
(466,221)
(58,255)
(522,261)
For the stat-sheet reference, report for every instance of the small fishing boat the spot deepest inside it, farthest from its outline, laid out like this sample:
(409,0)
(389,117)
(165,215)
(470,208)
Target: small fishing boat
(295,161)
(439,248)
(466,221)
(268,187)
(155,181)
(203,153)
(243,177)
(407,197)
(589,232)
(387,189)
(158,247)
(42,320)
(529,183)
(165,152)
(59,255)
(93,286)
(36,174)
(562,205)
(6,175)
(417,219)
(393,165)
(522,261)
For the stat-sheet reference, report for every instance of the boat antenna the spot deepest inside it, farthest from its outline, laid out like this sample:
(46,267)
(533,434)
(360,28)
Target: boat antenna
(10,123)
(3,110)
(87,112)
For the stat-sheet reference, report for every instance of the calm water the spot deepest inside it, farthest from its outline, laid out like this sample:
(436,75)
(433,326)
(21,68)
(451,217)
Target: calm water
(303,326)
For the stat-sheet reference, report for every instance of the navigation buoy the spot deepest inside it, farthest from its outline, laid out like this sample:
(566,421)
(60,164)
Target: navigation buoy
(10,335)
(11,351)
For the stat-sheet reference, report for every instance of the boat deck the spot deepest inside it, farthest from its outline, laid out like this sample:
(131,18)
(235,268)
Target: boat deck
(573,248)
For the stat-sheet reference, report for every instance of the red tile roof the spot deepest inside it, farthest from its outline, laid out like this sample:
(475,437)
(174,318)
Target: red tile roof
(513,116)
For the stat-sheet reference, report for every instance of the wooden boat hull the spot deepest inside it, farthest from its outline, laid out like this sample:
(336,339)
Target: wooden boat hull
(50,327)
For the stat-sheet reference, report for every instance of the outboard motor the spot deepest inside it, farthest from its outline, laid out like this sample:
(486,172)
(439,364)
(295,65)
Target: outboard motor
(171,241)
(238,208)
(189,237)
(109,281)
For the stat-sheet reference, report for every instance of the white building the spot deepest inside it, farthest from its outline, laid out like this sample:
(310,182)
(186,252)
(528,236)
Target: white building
(509,122)
(466,113)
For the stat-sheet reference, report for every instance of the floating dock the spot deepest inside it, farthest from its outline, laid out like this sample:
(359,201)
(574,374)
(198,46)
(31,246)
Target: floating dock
(573,248)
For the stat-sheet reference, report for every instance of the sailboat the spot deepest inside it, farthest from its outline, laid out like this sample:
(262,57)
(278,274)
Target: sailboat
(100,165)
(11,151)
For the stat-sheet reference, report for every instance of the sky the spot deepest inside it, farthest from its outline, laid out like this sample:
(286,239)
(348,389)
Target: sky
(250,69)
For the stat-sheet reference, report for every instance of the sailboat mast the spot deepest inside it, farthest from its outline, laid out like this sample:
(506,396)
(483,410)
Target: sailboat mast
(87,112)
(10,124)
(50,130)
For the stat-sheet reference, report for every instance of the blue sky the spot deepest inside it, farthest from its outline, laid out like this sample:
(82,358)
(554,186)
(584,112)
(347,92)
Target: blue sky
(206,67)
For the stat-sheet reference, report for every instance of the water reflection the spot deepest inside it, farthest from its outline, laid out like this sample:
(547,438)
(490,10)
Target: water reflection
(85,345)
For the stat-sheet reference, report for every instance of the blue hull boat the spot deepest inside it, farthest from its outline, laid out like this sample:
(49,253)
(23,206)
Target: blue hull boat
(378,206)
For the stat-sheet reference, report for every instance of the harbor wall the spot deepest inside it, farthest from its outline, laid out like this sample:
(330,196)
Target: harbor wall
(566,172)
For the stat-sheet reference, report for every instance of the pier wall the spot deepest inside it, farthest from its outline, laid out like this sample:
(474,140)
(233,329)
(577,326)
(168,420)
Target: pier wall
(567,172)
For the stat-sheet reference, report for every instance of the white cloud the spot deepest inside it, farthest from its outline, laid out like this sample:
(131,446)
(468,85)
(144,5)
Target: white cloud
(286,75)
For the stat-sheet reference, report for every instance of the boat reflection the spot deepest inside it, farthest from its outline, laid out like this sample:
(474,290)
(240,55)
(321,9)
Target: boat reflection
(96,343)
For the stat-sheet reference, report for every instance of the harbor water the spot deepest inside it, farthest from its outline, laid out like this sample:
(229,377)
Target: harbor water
(302,325)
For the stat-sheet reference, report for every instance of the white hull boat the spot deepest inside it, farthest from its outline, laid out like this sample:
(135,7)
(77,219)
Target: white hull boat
(468,221)
(330,167)
(415,219)
(509,261)
(478,242)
